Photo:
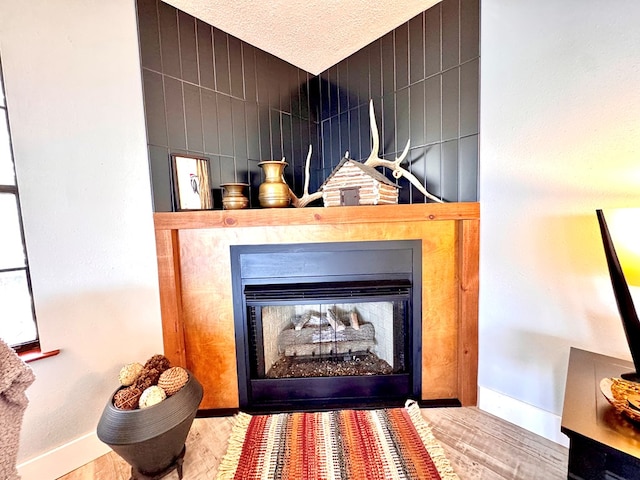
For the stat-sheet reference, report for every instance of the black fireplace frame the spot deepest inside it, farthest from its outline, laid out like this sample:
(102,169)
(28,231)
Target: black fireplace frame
(367,262)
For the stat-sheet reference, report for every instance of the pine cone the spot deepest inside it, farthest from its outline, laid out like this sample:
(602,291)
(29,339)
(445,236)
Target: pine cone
(147,378)
(159,362)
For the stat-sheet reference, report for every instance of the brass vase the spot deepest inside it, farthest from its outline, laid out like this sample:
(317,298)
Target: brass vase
(273,192)
(233,197)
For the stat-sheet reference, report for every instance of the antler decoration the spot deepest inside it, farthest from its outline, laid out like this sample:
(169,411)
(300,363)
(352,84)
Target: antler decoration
(373,161)
(306,199)
(396,170)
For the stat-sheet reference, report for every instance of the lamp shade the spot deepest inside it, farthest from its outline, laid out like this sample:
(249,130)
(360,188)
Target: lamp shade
(624,225)
(626,307)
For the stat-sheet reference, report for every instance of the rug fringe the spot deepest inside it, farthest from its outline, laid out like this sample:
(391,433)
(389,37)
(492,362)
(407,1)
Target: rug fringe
(230,460)
(436,452)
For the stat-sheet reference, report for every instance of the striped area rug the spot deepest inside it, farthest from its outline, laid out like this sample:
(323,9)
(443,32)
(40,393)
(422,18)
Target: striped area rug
(394,443)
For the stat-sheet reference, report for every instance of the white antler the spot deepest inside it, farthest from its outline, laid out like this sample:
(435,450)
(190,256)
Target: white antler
(397,171)
(306,198)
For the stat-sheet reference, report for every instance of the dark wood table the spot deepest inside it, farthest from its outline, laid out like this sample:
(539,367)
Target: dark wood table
(604,444)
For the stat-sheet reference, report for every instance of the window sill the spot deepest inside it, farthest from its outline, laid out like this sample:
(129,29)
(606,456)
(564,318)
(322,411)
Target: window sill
(36,354)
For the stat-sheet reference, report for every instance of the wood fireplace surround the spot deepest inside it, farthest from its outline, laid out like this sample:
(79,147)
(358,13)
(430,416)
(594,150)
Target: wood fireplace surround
(194,267)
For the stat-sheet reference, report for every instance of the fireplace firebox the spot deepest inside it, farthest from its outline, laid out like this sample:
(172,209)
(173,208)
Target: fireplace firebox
(327,325)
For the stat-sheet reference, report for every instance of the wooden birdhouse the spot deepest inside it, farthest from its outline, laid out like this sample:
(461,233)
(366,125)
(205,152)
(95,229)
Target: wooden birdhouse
(353,183)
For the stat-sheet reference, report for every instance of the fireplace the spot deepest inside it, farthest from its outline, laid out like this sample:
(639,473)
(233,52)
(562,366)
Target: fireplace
(196,298)
(327,325)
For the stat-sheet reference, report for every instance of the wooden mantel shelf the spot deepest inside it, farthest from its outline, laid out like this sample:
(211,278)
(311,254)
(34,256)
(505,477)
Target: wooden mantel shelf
(316,215)
(195,284)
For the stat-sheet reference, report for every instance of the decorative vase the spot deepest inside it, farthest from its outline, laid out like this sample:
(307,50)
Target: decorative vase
(273,192)
(152,439)
(233,197)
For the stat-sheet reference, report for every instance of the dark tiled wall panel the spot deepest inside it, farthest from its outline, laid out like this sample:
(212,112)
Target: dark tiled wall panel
(209,94)
(423,78)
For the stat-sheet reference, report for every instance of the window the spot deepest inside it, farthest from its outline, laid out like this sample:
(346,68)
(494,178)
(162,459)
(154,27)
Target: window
(17,316)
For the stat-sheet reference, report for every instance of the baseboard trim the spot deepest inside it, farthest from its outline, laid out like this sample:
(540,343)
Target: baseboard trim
(534,419)
(63,459)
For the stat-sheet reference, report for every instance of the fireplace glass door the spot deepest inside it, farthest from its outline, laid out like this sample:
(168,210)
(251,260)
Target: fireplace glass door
(359,330)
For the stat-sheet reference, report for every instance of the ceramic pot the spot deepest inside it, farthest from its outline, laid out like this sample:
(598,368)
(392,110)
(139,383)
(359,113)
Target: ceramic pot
(273,192)
(152,439)
(233,197)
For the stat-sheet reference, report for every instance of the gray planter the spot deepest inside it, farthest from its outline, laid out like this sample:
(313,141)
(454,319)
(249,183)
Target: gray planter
(152,439)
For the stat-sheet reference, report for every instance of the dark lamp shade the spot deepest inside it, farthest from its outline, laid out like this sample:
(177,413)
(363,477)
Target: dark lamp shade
(624,227)
(624,300)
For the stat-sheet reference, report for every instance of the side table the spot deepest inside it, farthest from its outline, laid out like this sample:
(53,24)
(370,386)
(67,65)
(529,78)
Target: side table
(604,444)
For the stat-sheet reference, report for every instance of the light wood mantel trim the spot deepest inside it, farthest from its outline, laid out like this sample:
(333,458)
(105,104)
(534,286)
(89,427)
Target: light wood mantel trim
(316,215)
(195,284)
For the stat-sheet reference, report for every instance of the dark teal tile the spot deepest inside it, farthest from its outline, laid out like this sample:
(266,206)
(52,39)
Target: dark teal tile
(416,110)
(227,170)
(401,44)
(433,108)
(375,70)
(265,132)
(469,98)
(433,169)
(416,48)
(235,67)
(250,82)
(450,172)
(154,108)
(225,127)
(210,121)
(276,134)
(262,73)
(160,166)
(450,104)
(239,128)
(175,113)
(188,48)
(468,161)
(388,141)
(170,47)
(253,131)
(205,55)
(469,29)
(343,128)
(354,134)
(149,34)
(193,118)
(221,61)
(450,34)
(403,132)
(432,41)
(388,64)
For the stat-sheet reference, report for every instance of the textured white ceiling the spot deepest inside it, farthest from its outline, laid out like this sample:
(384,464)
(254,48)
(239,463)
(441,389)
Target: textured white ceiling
(310,34)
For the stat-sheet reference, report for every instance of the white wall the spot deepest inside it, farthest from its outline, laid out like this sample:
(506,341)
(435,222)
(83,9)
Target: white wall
(560,137)
(74,94)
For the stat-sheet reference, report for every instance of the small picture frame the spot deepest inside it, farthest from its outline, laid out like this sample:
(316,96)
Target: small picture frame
(191,182)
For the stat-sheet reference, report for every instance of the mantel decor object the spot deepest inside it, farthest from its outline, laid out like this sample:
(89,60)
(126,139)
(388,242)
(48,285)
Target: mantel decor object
(191,182)
(233,197)
(152,439)
(273,192)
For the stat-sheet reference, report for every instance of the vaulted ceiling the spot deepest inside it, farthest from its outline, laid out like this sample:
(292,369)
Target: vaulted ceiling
(310,34)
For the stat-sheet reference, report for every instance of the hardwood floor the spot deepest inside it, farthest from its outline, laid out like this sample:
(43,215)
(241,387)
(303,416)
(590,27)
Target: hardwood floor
(479,446)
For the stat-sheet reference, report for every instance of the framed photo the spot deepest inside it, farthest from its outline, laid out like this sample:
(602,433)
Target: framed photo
(191,182)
